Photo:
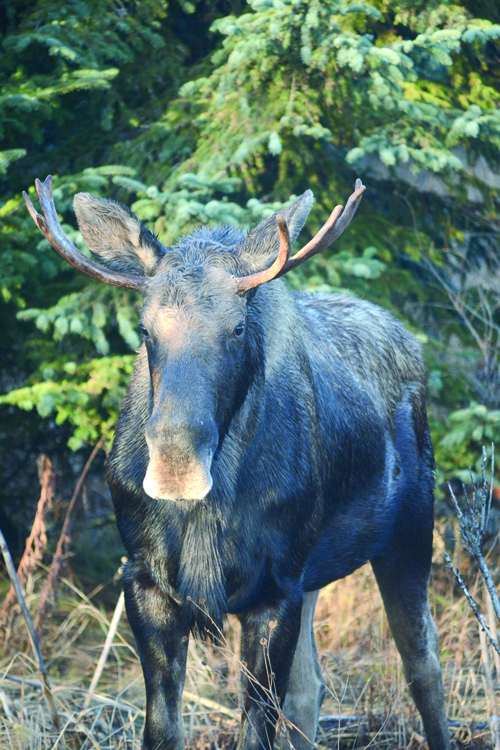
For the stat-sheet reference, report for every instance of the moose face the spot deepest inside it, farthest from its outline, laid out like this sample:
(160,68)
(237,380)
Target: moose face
(194,318)
(194,329)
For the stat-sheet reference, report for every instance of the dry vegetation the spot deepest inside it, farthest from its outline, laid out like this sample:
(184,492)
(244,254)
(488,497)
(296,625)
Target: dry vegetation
(367,704)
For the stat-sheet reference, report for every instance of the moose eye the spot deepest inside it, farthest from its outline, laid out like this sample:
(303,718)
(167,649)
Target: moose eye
(238,331)
(144,331)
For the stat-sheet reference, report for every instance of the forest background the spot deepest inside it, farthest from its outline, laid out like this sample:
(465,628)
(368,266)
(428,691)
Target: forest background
(219,112)
(200,112)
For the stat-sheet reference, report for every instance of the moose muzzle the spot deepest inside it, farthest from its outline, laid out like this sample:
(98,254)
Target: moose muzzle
(180,458)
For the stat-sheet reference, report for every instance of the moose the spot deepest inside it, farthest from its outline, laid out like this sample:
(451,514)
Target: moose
(269,443)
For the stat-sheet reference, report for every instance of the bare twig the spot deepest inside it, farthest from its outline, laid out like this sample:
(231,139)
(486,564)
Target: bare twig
(473,523)
(493,626)
(35,644)
(473,295)
(471,601)
(489,689)
(106,649)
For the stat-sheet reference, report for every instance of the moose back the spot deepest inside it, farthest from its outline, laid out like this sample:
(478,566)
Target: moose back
(269,443)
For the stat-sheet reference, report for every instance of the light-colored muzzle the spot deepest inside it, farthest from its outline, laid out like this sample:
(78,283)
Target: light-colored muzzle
(177,478)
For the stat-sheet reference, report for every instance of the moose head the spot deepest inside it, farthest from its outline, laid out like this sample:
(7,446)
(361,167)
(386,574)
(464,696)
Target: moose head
(195,317)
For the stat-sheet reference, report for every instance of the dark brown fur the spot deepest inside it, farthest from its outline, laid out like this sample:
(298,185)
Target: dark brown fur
(269,443)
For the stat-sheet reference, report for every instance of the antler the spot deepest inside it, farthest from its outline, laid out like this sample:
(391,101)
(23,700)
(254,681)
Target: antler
(244,283)
(329,232)
(50,226)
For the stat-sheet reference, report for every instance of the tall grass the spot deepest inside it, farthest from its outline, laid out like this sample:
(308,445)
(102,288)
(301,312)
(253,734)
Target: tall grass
(367,703)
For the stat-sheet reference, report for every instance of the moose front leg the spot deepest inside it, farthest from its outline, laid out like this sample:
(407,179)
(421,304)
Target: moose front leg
(268,639)
(162,641)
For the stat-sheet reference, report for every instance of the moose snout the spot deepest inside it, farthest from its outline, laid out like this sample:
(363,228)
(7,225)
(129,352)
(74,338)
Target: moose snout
(180,459)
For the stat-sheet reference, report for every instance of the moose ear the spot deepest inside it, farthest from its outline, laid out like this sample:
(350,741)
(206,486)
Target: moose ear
(264,240)
(116,237)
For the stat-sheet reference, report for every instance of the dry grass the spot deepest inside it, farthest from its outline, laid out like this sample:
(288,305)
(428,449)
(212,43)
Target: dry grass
(367,705)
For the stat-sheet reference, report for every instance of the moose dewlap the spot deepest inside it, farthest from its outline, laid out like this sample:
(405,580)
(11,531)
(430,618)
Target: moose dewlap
(269,443)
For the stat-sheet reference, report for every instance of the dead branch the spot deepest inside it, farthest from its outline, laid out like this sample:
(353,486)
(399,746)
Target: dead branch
(35,644)
(52,583)
(106,649)
(473,522)
(37,540)
(471,601)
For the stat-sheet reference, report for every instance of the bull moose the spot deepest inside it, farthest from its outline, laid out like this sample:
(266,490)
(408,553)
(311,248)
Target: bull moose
(269,443)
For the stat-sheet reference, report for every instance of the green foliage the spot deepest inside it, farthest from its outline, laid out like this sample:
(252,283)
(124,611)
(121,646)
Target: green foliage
(7,157)
(87,314)
(195,199)
(296,71)
(338,272)
(468,430)
(86,396)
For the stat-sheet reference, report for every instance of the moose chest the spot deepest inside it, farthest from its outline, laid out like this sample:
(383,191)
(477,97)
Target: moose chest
(221,560)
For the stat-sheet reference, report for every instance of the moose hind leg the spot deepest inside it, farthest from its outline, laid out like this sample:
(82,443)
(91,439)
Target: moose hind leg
(403,588)
(306,689)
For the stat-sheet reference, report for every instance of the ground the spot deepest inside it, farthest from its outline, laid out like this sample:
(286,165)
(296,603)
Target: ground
(367,704)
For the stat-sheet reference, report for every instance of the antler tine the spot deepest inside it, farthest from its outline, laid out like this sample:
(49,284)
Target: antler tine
(244,283)
(329,232)
(337,222)
(51,228)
